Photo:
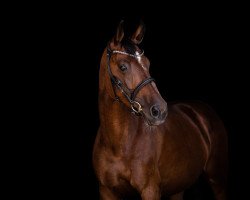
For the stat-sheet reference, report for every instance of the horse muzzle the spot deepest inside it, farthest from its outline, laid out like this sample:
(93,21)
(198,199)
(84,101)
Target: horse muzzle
(157,115)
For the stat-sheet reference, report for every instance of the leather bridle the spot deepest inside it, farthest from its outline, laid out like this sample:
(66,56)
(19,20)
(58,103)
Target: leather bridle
(130,96)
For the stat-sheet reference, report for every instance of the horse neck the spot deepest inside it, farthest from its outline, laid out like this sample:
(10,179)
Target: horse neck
(118,126)
(114,114)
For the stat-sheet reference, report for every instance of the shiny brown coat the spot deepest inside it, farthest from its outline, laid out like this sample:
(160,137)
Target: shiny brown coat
(131,155)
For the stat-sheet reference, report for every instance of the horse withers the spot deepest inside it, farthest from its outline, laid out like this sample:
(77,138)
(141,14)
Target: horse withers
(145,145)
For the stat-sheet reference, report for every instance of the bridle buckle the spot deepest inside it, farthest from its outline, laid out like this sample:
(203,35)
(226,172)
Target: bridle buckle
(136,107)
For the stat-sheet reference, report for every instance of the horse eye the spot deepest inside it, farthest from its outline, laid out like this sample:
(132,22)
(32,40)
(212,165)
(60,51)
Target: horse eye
(123,68)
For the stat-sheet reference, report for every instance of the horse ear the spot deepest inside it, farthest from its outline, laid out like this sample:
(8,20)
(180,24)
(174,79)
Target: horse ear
(139,34)
(119,33)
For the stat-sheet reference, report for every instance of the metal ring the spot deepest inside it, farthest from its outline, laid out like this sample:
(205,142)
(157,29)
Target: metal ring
(135,109)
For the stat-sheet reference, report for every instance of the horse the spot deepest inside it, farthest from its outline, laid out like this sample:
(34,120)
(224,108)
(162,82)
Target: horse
(145,145)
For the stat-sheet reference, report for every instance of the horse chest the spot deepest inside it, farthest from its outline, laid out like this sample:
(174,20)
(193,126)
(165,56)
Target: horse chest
(118,172)
(113,171)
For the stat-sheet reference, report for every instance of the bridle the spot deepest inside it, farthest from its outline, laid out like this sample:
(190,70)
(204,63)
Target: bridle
(130,96)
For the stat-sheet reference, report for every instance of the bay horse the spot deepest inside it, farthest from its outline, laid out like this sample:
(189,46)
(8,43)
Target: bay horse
(145,145)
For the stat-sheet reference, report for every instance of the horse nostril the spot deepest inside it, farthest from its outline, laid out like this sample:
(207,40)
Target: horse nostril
(155,111)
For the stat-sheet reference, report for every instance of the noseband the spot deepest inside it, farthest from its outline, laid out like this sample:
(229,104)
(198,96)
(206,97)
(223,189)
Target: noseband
(135,106)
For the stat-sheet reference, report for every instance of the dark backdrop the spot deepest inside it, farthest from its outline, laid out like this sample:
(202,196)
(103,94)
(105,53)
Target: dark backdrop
(196,52)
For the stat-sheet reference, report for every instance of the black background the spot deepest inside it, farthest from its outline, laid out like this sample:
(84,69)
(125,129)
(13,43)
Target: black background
(196,52)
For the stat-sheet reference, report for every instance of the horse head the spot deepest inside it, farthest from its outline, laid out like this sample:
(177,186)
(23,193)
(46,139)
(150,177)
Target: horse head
(128,72)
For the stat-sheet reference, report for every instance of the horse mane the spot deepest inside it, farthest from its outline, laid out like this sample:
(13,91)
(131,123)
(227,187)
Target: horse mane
(129,46)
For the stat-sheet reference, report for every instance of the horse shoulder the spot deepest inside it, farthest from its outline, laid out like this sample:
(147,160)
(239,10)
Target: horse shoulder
(212,129)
